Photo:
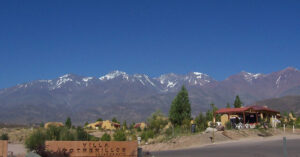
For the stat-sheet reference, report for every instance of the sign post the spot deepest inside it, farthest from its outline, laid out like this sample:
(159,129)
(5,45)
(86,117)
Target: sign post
(284,147)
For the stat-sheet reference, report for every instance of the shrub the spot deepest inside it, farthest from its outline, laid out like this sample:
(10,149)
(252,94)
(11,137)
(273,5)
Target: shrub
(4,136)
(119,135)
(53,133)
(147,134)
(105,137)
(44,153)
(201,122)
(36,141)
(228,125)
(157,121)
(66,135)
(81,135)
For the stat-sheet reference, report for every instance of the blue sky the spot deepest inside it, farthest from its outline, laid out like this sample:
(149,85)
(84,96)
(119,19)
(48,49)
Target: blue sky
(46,39)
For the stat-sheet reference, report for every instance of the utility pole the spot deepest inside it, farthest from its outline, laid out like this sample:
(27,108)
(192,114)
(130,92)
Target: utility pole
(213,123)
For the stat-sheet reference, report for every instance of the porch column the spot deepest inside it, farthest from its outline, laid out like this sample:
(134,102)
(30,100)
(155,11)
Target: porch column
(256,117)
(244,117)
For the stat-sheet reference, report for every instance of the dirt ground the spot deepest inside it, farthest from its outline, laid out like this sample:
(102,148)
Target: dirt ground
(203,139)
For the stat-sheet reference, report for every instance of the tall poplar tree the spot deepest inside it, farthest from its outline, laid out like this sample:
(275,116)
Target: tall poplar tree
(237,102)
(181,108)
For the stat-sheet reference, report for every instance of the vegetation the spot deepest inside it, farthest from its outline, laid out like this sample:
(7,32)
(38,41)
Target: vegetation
(147,134)
(157,121)
(36,140)
(99,119)
(68,123)
(237,102)
(201,122)
(119,135)
(114,119)
(4,136)
(124,125)
(228,125)
(181,108)
(105,137)
(228,105)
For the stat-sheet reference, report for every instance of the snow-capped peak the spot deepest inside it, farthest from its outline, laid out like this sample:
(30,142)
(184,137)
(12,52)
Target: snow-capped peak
(65,76)
(86,79)
(251,76)
(62,80)
(114,74)
(200,75)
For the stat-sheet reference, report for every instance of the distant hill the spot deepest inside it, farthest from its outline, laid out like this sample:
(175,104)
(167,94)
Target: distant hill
(133,97)
(283,104)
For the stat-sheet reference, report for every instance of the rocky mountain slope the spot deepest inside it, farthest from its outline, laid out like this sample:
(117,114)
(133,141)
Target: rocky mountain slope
(134,97)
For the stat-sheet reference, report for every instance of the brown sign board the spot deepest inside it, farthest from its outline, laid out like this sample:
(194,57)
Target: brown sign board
(94,148)
(3,148)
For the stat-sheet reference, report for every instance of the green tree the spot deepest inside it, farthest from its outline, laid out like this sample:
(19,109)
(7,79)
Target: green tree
(201,122)
(124,125)
(119,135)
(105,137)
(227,105)
(114,119)
(99,119)
(68,123)
(237,102)
(42,124)
(214,109)
(181,108)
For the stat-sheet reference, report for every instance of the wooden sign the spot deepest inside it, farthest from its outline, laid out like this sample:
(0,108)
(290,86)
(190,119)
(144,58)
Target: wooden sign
(94,148)
(3,148)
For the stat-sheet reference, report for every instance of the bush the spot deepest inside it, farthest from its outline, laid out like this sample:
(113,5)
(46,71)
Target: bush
(66,135)
(105,137)
(53,133)
(119,135)
(157,121)
(36,141)
(201,122)
(81,135)
(44,153)
(4,136)
(147,134)
(228,125)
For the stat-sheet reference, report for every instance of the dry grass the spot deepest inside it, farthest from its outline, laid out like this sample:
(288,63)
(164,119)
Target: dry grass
(16,135)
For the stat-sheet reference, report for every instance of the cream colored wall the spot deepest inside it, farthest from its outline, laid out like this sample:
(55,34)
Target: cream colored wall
(224,119)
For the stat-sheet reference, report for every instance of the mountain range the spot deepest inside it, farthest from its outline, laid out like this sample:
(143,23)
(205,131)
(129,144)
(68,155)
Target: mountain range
(134,97)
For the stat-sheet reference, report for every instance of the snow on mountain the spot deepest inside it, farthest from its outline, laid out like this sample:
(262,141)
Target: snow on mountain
(278,81)
(113,75)
(62,80)
(249,77)
(86,79)
(197,78)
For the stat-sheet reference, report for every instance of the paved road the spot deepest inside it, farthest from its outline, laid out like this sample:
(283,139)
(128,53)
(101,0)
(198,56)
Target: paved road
(272,148)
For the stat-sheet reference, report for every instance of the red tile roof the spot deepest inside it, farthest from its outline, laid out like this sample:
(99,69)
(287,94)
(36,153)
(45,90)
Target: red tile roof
(243,109)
